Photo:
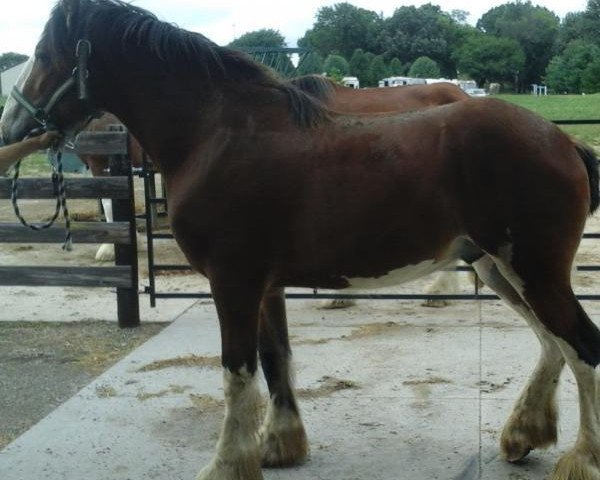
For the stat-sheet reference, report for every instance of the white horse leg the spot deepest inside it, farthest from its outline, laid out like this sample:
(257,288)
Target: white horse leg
(446,282)
(562,322)
(238,305)
(532,423)
(106,252)
(238,454)
(582,462)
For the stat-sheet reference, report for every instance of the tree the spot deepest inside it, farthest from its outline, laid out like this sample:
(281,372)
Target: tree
(534,28)
(459,16)
(413,32)
(572,28)
(486,58)
(565,71)
(590,79)
(378,69)
(581,26)
(11,59)
(266,37)
(396,68)
(424,67)
(341,29)
(336,64)
(360,66)
(311,63)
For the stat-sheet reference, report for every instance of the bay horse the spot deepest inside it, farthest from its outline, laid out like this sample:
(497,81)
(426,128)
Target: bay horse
(381,100)
(268,189)
(99,167)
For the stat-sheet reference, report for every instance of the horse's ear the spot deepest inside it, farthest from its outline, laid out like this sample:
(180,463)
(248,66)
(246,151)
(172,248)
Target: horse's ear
(70,7)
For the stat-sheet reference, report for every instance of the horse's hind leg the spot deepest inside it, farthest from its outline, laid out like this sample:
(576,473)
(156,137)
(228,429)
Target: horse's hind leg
(543,277)
(579,340)
(238,455)
(533,421)
(583,461)
(446,282)
(282,437)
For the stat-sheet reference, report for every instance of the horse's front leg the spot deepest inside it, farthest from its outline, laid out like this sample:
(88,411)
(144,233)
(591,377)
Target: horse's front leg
(282,437)
(238,454)
(106,251)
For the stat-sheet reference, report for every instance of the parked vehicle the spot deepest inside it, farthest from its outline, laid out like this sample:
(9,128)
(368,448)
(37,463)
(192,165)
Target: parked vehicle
(351,82)
(476,92)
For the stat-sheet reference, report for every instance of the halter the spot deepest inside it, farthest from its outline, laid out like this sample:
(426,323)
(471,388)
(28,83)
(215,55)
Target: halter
(58,181)
(79,79)
(41,114)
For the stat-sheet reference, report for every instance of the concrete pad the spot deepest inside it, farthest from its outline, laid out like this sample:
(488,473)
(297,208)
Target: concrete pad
(390,360)
(309,312)
(509,356)
(69,304)
(415,401)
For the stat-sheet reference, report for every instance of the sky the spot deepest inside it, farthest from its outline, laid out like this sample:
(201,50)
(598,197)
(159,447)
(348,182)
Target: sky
(22,21)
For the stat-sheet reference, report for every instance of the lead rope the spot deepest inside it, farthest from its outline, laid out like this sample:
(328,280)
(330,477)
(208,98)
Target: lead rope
(61,199)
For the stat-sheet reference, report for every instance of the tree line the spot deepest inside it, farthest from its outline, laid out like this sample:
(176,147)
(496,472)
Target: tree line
(516,44)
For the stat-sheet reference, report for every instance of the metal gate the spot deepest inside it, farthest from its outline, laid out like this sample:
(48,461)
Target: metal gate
(279,59)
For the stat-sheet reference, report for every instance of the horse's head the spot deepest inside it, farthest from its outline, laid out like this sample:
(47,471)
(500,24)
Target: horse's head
(52,90)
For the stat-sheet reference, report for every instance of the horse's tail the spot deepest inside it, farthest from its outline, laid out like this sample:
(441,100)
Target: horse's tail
(590,161)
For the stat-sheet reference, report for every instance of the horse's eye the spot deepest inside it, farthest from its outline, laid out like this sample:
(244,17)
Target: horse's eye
(43,58)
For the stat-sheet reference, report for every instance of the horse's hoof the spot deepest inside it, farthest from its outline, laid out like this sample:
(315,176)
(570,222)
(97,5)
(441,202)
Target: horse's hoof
(526,431)
(284,448)
(338,303)
(219,469)
(435,303)
(516,453)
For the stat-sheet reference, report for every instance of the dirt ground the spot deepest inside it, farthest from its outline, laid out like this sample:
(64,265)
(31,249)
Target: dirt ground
(43,364)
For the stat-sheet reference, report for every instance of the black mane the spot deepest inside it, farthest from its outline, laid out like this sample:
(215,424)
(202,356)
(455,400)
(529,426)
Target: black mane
(123,26)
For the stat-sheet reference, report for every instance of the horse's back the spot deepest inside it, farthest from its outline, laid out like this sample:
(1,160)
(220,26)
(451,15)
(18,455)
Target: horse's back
(396,99)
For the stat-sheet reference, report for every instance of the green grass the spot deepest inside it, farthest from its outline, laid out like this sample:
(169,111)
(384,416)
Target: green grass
(565,107)
(35,165)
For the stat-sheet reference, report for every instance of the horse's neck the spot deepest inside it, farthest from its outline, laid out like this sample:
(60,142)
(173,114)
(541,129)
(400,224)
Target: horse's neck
(147,108)
(171,125)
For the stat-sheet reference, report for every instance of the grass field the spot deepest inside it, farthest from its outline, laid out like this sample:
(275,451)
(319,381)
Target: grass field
(565,107)
(35,165)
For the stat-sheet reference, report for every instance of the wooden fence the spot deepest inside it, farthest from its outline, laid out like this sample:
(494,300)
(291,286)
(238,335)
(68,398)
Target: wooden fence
(118,187)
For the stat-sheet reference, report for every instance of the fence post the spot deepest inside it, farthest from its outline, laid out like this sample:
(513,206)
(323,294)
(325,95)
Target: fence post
(128,306)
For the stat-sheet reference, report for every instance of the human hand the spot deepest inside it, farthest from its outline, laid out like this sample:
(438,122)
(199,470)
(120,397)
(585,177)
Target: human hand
(47,139)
